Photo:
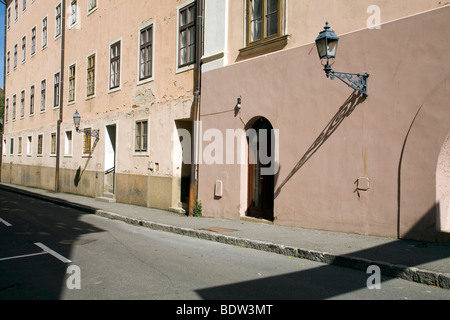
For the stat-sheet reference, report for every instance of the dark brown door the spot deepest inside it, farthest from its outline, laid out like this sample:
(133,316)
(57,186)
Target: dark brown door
(260,184)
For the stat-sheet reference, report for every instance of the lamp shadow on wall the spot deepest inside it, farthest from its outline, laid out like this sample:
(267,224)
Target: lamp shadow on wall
(80,171)
(344,111)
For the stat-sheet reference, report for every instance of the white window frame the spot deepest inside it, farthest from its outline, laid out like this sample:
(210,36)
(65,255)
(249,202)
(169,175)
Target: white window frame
(192,65)
(33,42)
(68,144)
(95,75)
(141,153)
(22,103)
(11,146)
(152,78)
(34,100)
(29,146)
(37,145)
(120,66)
(45,32)
(93,9)
(42,108)
(72,14)
(24,49)
(53,154)
(58,35)
(19,145)
(56,105)
(70,102)
(8,62)
(86,155)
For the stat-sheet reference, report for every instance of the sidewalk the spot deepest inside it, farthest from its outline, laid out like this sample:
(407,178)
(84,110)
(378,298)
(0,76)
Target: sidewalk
(422,262)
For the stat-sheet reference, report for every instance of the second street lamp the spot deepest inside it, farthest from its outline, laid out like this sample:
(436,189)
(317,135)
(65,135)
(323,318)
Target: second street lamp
(77,121)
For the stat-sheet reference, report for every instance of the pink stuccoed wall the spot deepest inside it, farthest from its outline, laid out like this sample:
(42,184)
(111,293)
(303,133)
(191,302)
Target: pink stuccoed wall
(330,136)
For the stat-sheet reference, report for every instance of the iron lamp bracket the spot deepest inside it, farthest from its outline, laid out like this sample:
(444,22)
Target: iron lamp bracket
(92,133)
(356,81)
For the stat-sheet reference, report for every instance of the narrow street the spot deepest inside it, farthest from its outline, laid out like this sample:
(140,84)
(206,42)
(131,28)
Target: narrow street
(45,247)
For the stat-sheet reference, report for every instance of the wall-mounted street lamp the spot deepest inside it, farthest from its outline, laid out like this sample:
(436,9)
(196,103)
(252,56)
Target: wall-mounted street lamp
(77,121)
(239,103)
(327,44)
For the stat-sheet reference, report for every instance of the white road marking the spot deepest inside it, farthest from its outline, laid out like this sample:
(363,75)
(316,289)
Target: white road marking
(24,256)
(5,223)
(53,253)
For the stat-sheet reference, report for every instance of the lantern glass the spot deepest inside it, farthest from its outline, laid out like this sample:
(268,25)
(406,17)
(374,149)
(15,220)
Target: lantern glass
(327,43)
(322,48)
(76,119)
(332,48)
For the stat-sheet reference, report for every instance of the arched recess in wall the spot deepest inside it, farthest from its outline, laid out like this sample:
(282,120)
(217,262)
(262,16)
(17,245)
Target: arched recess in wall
(417,206)
(443,187)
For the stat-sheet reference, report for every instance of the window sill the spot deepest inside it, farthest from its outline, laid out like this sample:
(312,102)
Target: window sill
(264,47)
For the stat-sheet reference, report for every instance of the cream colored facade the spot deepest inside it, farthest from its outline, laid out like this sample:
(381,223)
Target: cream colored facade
(148,175)
(377,165)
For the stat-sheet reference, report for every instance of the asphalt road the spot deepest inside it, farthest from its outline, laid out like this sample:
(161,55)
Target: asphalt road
(52,252)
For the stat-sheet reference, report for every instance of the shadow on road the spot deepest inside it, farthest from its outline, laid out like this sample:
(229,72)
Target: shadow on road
(26,272)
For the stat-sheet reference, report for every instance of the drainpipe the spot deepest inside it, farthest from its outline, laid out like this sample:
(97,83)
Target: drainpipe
(2,125)
(61,96)
(196,115)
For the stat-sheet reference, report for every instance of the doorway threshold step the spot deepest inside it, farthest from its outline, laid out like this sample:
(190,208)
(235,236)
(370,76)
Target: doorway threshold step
(107,197)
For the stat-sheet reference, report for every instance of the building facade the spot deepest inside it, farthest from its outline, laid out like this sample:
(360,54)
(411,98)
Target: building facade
(127,69)
(324,156)
(278,142)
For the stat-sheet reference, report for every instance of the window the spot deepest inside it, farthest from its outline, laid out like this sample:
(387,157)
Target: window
(44,32)
(9,18)
(24,49)
(141,141)
(114,76)
(90,88)
(19,149)
(53,144)
(58,21)
(6,110)
(87,144)
(31,100)
(187,33)
(43,87)
(33,41)
(40,142)
(56,91)
(73,12)
(68,144)
(11,147)
(14,108)
(72,70)
(16,8)
(92,5)
(22,104)
(8,61)
(146,53)
(15,56)
(264,19)
(24,7)
(29,145)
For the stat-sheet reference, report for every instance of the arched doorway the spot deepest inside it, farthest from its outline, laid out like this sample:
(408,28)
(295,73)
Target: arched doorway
(261,179)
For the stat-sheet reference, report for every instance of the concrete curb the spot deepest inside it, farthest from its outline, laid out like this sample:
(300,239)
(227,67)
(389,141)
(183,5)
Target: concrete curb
(441,280)
(387,269)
